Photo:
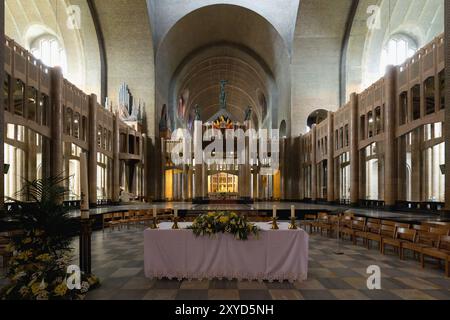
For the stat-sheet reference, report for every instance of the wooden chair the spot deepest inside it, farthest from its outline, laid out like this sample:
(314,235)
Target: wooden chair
(402,235)
(374,220)
(441,252)
(116,220)
(330,225)
(424,239)
(385,231)
(107,221)
(358,228)
(307,221)
(345,226)
(322,217)
(371,232)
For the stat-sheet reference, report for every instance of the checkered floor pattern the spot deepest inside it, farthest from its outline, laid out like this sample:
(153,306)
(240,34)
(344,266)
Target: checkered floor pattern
(118,261)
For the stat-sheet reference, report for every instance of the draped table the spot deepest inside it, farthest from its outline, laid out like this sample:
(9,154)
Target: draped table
(276,255)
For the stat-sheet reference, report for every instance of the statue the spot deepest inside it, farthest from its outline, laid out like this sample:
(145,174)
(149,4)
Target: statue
(248,113)
(197,113)
(223,95)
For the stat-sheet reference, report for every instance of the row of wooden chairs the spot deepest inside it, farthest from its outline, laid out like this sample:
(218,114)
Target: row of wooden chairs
(424,240)
(131,218)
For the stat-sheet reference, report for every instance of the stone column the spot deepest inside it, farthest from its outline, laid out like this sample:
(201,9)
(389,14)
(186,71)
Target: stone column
(354,150)
(390,163)
(185,186)
(330,160)
(2,107)
(116,160)
(204,171)
(92,159)
(283,173)
(416,165)
(162,169)
(247,166)
(447,105)
(301,179)
(313,163)
(198,156)
(57,157)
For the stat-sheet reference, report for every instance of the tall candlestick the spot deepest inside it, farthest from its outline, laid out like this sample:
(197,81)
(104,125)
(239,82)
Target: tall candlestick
(154,213)
(84,206)
(176,213)
(274,211)
(292,211)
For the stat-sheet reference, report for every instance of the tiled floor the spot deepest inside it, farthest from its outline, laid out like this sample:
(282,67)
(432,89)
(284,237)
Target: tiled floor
(118,261)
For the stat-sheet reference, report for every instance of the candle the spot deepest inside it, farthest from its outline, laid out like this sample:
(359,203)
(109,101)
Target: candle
(154,212)
(292,211)
(176,213)
(274,211)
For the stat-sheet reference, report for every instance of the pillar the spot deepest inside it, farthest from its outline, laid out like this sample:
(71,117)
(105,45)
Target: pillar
(2,107)
(283,173)
(198,156)
(390,143)
(57,157)
(301,179)
(116,160)
(92,155)
(354,150)
(447,105)
(330,160)
(416,164)
(313,163)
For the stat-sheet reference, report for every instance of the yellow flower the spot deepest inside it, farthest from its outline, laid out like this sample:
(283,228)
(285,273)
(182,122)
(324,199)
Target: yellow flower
(61,289)
(43,257)
(37,287)
(224,219)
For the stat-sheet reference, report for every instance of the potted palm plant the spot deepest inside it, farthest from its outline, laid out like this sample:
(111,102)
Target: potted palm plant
(41,252)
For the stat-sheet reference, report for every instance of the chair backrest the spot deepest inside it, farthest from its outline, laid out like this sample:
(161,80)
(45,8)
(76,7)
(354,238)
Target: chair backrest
(388,223)
(310,217)
(322,216)
(107,217)
(359,219)
(406,234)
(349,214)
(359,225)
(373,220)
(387,230)
(402,225)
(421,228)
(118,215)
(373,227)
(444,242)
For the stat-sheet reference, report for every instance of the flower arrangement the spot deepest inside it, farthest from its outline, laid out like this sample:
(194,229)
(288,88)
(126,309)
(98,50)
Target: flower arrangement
(41,251)
(36,273)
(224,222)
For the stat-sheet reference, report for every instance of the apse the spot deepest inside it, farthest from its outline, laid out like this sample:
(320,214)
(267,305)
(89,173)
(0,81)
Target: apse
(224,42)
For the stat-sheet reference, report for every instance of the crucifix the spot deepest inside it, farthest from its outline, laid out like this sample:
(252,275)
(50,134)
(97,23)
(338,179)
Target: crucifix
(223,95)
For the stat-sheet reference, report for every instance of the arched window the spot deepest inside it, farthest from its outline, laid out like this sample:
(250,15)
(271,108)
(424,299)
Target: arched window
(48,49)
(399,48)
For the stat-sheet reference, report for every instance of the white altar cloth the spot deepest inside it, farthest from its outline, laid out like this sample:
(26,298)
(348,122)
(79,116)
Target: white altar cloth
(276,255)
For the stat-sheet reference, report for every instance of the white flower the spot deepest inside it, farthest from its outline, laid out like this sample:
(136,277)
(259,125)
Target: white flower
(84,287)
(43,295)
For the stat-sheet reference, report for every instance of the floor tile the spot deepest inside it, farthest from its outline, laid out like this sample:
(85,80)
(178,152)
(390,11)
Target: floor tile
(222,294)
(255,295)
(283,294)
(192,295)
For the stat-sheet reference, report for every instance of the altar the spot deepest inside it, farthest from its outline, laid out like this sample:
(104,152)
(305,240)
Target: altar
(276,255)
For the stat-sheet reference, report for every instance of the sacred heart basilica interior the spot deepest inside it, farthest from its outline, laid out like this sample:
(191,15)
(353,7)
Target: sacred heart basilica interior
(189,153)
